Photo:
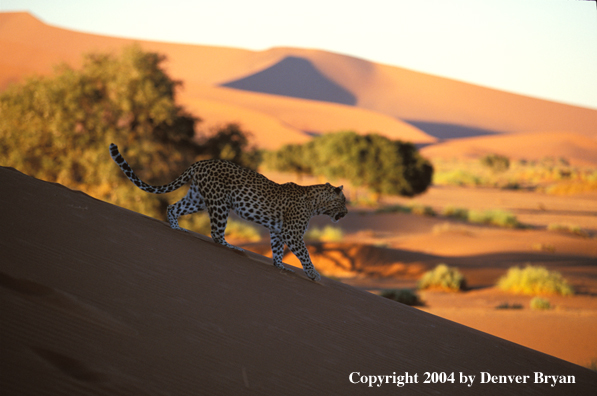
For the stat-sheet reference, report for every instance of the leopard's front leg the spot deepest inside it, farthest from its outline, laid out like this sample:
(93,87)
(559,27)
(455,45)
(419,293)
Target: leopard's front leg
(296,244)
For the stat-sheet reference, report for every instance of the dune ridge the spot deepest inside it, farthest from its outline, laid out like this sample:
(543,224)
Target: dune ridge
(97,299)
(302,116)
(576,148)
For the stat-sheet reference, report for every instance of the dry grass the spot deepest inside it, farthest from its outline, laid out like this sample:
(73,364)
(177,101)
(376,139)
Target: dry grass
(327,234)
(568,228)
(550,175)
(540,304)
(238,230)
(403,296)
(443,278)
(534,280)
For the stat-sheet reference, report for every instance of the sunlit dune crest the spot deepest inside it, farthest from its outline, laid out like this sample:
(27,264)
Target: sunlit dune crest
(573,147)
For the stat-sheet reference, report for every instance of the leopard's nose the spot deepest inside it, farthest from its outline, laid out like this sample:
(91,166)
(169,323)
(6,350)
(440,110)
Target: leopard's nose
(339,216)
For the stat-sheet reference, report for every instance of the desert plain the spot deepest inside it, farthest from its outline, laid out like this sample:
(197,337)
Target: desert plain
(100,300)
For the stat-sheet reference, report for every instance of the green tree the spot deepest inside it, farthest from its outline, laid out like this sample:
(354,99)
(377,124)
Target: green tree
(339,156)
(232,144)
(289,158)
(384,166)
(58,128)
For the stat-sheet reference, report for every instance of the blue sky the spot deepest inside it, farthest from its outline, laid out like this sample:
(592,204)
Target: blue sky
(541,48)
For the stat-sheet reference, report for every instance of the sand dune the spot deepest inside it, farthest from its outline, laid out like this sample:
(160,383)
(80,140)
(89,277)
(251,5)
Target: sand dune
(296,77)
(100,300)
(266,131)
(576,148)
(423,98)
(375,97)
(303,116)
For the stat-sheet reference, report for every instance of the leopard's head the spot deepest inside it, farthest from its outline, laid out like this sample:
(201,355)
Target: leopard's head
(334,202)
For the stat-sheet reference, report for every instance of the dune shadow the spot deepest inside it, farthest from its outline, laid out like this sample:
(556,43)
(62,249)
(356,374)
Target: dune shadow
(295,77)
(450,131)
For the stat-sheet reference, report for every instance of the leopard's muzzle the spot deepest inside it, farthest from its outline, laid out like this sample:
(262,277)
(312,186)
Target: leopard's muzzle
(338,216)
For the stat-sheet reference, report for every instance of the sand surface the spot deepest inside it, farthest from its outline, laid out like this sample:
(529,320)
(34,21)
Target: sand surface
(100,300)
(383,251)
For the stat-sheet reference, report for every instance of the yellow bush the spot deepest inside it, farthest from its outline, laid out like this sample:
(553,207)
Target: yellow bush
(533,280)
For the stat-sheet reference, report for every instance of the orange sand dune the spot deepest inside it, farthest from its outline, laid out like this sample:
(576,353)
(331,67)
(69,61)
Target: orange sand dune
(266,131)
(420,97)
(576,148)
(96,299)
(300,115)
(379,96)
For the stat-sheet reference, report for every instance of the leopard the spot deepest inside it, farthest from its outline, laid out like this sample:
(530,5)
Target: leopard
(219,186)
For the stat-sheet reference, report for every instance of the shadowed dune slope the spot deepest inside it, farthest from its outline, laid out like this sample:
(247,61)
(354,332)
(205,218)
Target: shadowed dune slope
(435,106)
(96,299)
(296,77)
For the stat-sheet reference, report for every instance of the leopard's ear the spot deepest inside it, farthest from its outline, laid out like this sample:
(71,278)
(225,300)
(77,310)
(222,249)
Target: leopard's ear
(338,190)
(328,185)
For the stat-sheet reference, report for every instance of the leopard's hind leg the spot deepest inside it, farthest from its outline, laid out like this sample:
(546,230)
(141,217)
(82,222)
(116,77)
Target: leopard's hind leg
(191,203)
(278,250)
(218,219)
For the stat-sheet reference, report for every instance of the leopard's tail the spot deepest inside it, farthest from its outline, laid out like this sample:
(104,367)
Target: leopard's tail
(175,185)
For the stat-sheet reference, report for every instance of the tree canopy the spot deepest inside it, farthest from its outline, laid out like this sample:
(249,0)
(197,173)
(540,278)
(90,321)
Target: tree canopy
(232,144)
(385,166)
(58,128)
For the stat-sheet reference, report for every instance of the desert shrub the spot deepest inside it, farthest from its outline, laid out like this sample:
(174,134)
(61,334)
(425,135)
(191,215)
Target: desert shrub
(235,229)
(327,234)
(544,247)
(568,228)
(511,185)
(394,209)
(496,162)
(457,177)
(533,280)
(552,177)
(404,296)
(421,210)
(242,230)
(496,217)
(571,187)
(506,305)
(540,303)
(443,277)
(455,213)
